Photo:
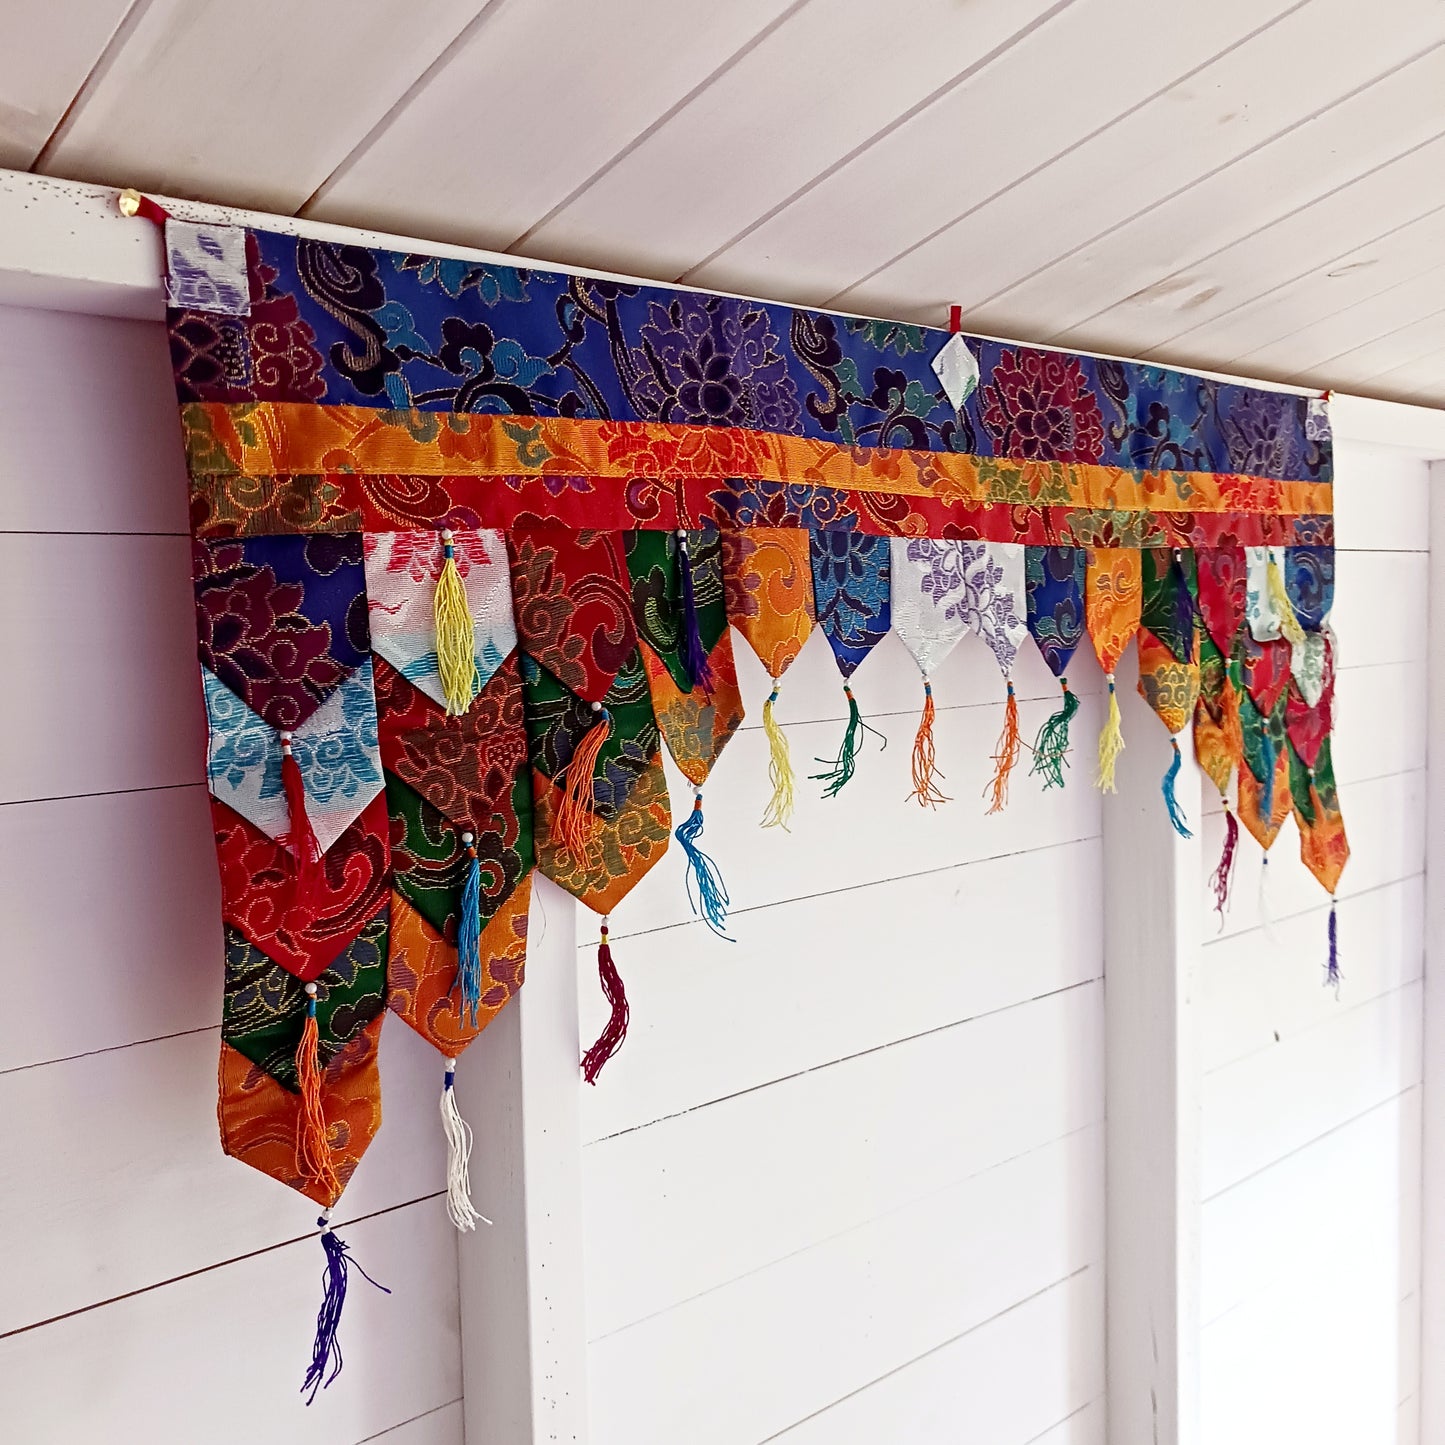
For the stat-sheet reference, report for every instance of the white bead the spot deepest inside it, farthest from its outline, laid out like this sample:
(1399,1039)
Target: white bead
(682,534)
(285,735)
(311,990)
(467,839)
(596,706)
(446,534)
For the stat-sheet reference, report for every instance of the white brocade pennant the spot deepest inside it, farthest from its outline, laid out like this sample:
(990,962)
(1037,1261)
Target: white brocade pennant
(401,576)
(927,578)
(206,268)
(955,365)
(1259,609)
(335,748)
(994,603)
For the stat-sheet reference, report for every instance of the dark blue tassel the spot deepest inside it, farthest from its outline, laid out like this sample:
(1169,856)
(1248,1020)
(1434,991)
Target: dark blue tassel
(1183,605)
(326,1348)
(1332,969)
(694,655)
(706,890)
(1176,816)
(469,935)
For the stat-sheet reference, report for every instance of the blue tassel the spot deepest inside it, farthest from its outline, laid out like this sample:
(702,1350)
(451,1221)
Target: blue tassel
(694,655)
(326,1348)
(706,890)
(1176,816)
(1332,969)
(469,935)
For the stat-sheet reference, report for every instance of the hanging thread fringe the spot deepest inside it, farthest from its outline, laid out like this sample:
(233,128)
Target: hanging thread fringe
(611,1037)
(706,890)
(313,1148)
(1332,968)
(1111,743)
(779,812)
(1176,813)
(326,1347)
(469,936)
(1005,754)
(694,654)
(456,636)
(1222,879)
(841,769)
(1289,624)
(925,765)
(1051,747)
(299,835)
(458,1134)
(575,825)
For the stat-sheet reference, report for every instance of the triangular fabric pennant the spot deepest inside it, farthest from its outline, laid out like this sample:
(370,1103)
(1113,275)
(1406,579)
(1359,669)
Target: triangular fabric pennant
(851,591)
(1113,596)
(768,582)
(930,604)
(1054,578)
(1220,574)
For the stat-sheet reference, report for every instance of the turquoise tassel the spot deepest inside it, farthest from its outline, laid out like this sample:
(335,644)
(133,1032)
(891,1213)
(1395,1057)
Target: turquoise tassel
(1176,816)
(469,936)
(706,890)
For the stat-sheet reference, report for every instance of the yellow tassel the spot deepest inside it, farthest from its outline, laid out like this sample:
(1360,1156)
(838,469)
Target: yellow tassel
(313,1148)
(575,823)
(779,811)
(925,766)
(1289,624)
(1006,754)
(456,641)
(1111,743)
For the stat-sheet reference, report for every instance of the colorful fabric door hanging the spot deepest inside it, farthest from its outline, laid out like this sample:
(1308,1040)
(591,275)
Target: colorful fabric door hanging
(470,544)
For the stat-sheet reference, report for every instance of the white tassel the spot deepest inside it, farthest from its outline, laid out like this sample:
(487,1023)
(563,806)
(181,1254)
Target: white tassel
(459,1157)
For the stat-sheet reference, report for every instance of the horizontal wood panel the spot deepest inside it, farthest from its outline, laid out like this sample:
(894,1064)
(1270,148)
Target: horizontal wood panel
(675,1209)
(1349,1196)
(1083,1427)
(829,977)
(158,1197)
(1261,1107)
(1035,1365)
(436,1427)
(787,1341)
(217,1356)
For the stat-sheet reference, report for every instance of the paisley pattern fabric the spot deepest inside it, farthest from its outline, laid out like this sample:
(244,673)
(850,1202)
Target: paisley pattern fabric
(341,406)
(1054,581)
(851,591)
(768,587)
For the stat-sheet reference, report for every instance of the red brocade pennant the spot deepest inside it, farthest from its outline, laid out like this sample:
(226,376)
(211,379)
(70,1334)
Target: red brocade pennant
(1222,591)
(258,894)
(1266,671)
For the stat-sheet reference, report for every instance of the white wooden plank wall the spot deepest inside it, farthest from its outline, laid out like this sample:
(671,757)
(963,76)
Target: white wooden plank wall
(1311,1105)
(154,1289)
(845,1181)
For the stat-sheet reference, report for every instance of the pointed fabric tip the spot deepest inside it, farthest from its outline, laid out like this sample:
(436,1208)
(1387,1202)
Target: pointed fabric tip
(313,1147)
(1051,747)
(779,812)
(1222,879)
(575,825)
(455,635)
(469,936)
(458,1134)
(299,836)
(1111,743)
(1332,967)
(612,1036)
(1005,754)
(925,766)
(1176,814)
(326,1347)
(841,769)
(706,890)
(694,654)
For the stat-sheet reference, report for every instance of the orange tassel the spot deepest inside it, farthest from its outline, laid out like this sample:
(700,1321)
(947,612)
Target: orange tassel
(925,768)
(299,835)
(575,825)
(313,1148)
(1006,754)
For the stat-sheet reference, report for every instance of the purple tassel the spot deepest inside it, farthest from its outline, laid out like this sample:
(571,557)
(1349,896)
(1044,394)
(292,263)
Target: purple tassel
(1223,876)
(1332,970)
(1183,603)
(694,656)
(326,1348)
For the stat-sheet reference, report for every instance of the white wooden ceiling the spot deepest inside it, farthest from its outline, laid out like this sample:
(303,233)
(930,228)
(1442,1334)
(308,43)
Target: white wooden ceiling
(1255,186)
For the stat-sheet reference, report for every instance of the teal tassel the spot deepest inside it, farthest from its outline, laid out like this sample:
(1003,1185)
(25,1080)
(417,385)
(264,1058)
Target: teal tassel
(842,768)
(706,890)
(1051,747)
(469,935)
(1176,816)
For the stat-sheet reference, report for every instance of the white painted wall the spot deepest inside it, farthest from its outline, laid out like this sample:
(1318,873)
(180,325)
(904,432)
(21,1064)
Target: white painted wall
(1311,1106)
(151,1288)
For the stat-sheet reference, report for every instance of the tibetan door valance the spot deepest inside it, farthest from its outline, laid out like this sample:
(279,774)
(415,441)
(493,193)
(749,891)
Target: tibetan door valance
(471,546)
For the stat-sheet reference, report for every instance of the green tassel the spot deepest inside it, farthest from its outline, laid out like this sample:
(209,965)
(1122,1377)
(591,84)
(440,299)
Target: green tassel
(842,768)
(1051,747)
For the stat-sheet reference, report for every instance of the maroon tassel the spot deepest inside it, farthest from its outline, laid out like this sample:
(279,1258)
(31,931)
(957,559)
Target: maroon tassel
(611,1037)
(299,836)
(694,655)
(1332,969)
(1223,876)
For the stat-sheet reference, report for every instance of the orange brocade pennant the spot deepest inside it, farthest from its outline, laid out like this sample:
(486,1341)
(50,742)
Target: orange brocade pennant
(1113,597)
(768,579)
